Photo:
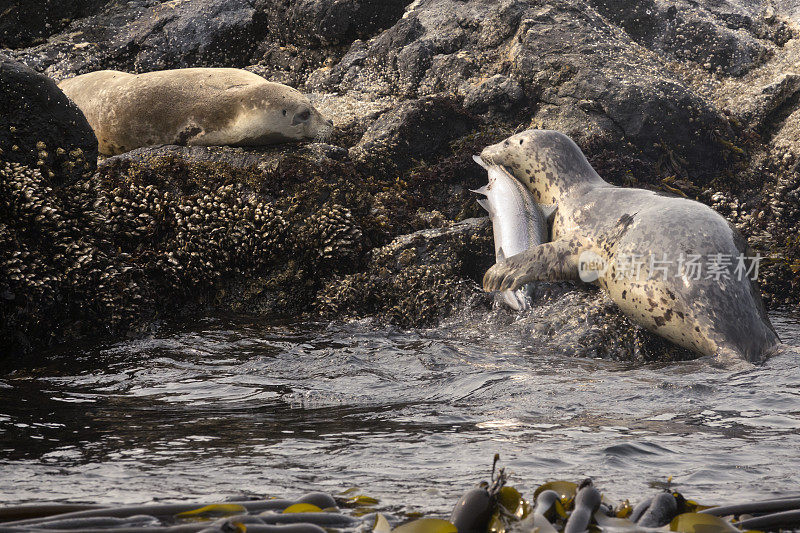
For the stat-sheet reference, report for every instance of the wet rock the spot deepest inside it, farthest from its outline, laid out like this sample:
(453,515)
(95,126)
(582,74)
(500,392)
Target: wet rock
(41,128)
(417,278)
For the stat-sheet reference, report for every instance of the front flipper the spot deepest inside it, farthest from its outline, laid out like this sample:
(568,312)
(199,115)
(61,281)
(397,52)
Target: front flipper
(551,261)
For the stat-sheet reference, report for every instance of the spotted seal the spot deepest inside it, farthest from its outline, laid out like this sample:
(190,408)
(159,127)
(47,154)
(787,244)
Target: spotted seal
(638,246)
(192,106)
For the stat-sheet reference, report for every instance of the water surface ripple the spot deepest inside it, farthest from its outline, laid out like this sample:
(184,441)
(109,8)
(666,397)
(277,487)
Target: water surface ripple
(232,406)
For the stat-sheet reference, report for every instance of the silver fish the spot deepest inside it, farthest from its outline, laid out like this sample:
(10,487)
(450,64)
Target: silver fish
(518,222)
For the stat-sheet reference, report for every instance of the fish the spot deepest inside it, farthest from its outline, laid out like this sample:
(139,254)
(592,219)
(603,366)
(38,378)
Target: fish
(518,222)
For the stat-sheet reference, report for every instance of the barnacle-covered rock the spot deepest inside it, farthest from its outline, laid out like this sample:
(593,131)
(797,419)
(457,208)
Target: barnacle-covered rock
(58,284)
(779,220)
(110,253)
(416,279)
(331,236)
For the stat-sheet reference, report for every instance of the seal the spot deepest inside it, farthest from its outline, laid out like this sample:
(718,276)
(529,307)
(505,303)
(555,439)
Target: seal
(192,106)
(672,265)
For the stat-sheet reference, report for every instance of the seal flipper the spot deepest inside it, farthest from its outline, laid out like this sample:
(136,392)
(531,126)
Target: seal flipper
(551,261)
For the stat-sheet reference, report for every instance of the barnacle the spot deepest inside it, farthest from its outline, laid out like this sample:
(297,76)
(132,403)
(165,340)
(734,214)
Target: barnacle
(107,254)
(331,235)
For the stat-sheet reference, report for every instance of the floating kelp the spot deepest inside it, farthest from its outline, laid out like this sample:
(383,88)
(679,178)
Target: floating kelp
(360,503)
(302,508)
(492,506)
(216,509)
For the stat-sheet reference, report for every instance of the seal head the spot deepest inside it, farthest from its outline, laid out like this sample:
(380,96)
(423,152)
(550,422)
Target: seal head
(549,163)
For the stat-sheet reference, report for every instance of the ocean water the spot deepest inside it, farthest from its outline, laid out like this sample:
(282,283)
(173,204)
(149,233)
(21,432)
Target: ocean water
(232,406)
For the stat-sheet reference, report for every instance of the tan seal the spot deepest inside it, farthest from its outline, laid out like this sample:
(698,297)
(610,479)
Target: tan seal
(192,106)
(673,265)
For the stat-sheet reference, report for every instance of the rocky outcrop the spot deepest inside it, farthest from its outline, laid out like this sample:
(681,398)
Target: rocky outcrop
(144,35)
(570,67)
(285,40)
(28,22)
(40,127)
(700,99)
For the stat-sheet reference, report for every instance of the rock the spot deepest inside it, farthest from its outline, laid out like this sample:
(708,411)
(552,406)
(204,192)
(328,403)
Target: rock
(498,93)
(254,161)
(415,130)
(284,39)
(721,37)
(316,23)
(578,72)
(417,278)
(25,22)
(41,128)
(694,98)
(787,8)
(354,113)
(145,35)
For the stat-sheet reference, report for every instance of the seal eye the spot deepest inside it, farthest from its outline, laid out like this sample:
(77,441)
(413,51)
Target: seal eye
(284,112)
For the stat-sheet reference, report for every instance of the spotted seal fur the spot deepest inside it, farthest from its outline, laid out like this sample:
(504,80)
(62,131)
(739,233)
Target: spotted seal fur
(192,106)
(719,314)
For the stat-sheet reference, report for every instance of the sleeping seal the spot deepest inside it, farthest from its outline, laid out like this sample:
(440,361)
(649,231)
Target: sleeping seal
(672,265)
(192,106)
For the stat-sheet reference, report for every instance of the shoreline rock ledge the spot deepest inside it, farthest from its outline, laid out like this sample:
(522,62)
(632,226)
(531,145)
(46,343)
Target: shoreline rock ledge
(700,99)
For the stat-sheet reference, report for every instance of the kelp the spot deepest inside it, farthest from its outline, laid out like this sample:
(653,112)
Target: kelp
(491,506)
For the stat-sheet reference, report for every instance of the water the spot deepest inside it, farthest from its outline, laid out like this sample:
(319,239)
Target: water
(232,406)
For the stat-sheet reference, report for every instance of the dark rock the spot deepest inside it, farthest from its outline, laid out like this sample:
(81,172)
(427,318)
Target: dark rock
(719,36)
(315,23)
(415,130)
(41,128)
(578,73)
(498,93)
(416,279)
(146,35)
(286,39)
(24,22)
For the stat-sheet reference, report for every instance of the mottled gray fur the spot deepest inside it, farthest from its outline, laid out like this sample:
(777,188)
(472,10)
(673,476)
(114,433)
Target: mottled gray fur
(721,317)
